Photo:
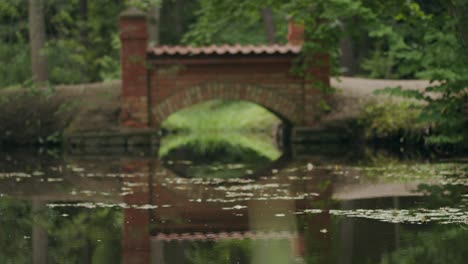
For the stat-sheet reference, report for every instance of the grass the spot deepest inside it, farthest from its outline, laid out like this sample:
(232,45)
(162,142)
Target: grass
(222,115)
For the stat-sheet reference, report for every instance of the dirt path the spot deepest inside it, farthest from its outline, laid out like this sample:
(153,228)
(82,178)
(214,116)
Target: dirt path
(361,87)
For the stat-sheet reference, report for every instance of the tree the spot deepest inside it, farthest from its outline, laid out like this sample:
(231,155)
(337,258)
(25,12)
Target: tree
(154,14)
(84,21)
(37,40)
(269,24)
(431,39)
(426,40)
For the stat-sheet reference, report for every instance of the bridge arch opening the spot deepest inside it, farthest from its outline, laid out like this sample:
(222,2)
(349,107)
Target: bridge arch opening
(244,96)
(234,136)
(224,115)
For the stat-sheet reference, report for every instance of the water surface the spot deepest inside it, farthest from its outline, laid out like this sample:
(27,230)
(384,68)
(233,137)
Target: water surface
(233,203)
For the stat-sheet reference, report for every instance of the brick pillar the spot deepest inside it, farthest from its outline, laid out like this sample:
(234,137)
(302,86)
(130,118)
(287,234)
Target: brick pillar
(295,33)
(317,74)
(134,39)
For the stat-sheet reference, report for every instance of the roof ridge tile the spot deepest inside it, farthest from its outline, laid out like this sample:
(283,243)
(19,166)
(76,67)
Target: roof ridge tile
(224,49)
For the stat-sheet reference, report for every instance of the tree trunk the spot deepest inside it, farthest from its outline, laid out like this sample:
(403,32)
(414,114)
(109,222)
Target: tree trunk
(178,17)
(269,25)
(84,22)
(37,40)
(348,59)
(154,15)
(458,11)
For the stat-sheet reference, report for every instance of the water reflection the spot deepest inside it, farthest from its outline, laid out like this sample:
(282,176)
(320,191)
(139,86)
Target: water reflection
(275,209)
(220,155)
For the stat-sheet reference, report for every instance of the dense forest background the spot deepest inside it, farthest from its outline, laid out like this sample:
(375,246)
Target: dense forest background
(76,41)
(82,45)
(81,37)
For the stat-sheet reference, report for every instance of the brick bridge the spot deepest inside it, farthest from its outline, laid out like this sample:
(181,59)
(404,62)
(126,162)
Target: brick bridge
(158,81)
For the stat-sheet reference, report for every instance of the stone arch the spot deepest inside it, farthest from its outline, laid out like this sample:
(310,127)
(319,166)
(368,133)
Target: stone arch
(281,106)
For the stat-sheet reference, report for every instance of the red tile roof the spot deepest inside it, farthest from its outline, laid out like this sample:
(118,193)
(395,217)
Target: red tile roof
(225,50)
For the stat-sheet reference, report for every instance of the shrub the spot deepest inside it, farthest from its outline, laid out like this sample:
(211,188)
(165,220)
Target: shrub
(29,117)
(392,120)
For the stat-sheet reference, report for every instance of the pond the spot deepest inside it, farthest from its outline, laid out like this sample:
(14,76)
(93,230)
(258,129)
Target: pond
(233,199)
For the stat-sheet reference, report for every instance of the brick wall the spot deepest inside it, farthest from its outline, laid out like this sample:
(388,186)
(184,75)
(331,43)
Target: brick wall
(254,81)
(153,87)
(266,81)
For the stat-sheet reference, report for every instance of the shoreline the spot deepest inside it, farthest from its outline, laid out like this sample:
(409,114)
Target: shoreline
(95,108)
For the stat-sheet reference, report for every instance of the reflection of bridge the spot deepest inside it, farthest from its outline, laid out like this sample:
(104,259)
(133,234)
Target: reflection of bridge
(203,209)
(176,206)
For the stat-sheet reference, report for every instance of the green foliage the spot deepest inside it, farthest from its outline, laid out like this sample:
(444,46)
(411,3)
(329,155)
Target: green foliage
(218,155)
(144,4)
(98,231)
(15,223)
(443,59)
(67,62)
(410,38)
(438,196)
(215,26)
(70,238)
(14,48)
(323,37)
(34,111)
(220,252)
(75,58)
(442,246)
(242,251)
(392,120)
(235,144)
(108,64)
(78,50)
(13,69)
(380,65)
(221,115)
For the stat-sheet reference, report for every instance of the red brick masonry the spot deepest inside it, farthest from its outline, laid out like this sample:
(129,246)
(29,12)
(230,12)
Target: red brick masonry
(159,81)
